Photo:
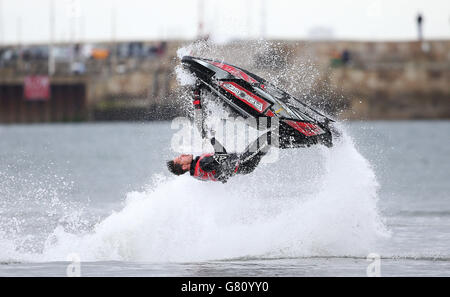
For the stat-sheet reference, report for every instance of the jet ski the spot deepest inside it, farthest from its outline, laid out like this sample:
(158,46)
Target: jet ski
(249,95)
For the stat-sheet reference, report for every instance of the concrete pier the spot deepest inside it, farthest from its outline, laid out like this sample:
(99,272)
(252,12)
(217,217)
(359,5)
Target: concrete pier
(353,80)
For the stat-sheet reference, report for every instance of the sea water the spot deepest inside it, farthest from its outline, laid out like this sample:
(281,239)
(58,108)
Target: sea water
(100,194)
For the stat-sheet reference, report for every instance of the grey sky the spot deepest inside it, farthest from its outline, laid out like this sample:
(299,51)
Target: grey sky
(28,20)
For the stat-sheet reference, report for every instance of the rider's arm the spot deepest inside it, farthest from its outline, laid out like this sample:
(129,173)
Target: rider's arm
(209,164)
(259,147)
(218,162)
(225,165)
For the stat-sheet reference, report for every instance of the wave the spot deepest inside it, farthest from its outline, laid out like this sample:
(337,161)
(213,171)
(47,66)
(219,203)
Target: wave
(311,202)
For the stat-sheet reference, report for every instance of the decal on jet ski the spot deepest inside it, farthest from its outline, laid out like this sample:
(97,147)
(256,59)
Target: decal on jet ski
(251,99)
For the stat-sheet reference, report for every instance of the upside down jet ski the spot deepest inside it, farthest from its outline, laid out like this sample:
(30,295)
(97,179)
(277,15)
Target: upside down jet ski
(249,95)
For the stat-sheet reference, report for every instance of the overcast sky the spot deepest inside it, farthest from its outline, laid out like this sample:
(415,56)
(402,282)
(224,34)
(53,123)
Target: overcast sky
(28,21)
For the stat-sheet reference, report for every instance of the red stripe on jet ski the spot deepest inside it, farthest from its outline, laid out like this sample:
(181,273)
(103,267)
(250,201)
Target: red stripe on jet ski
(307,129)
(236,72)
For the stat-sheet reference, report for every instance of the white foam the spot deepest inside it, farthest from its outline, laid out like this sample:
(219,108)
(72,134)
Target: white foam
(320,203)
(184,78)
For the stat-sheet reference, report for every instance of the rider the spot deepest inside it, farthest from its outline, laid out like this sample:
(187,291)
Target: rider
(221,165)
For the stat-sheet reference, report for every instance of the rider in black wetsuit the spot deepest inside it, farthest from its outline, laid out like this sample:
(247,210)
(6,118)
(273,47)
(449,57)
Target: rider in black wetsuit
(220,166)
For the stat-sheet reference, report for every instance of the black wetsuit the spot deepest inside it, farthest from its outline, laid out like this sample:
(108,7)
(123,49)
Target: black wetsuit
(220,166)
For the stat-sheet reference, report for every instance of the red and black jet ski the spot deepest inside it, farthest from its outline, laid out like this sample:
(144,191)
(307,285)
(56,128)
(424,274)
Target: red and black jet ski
(251,96)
